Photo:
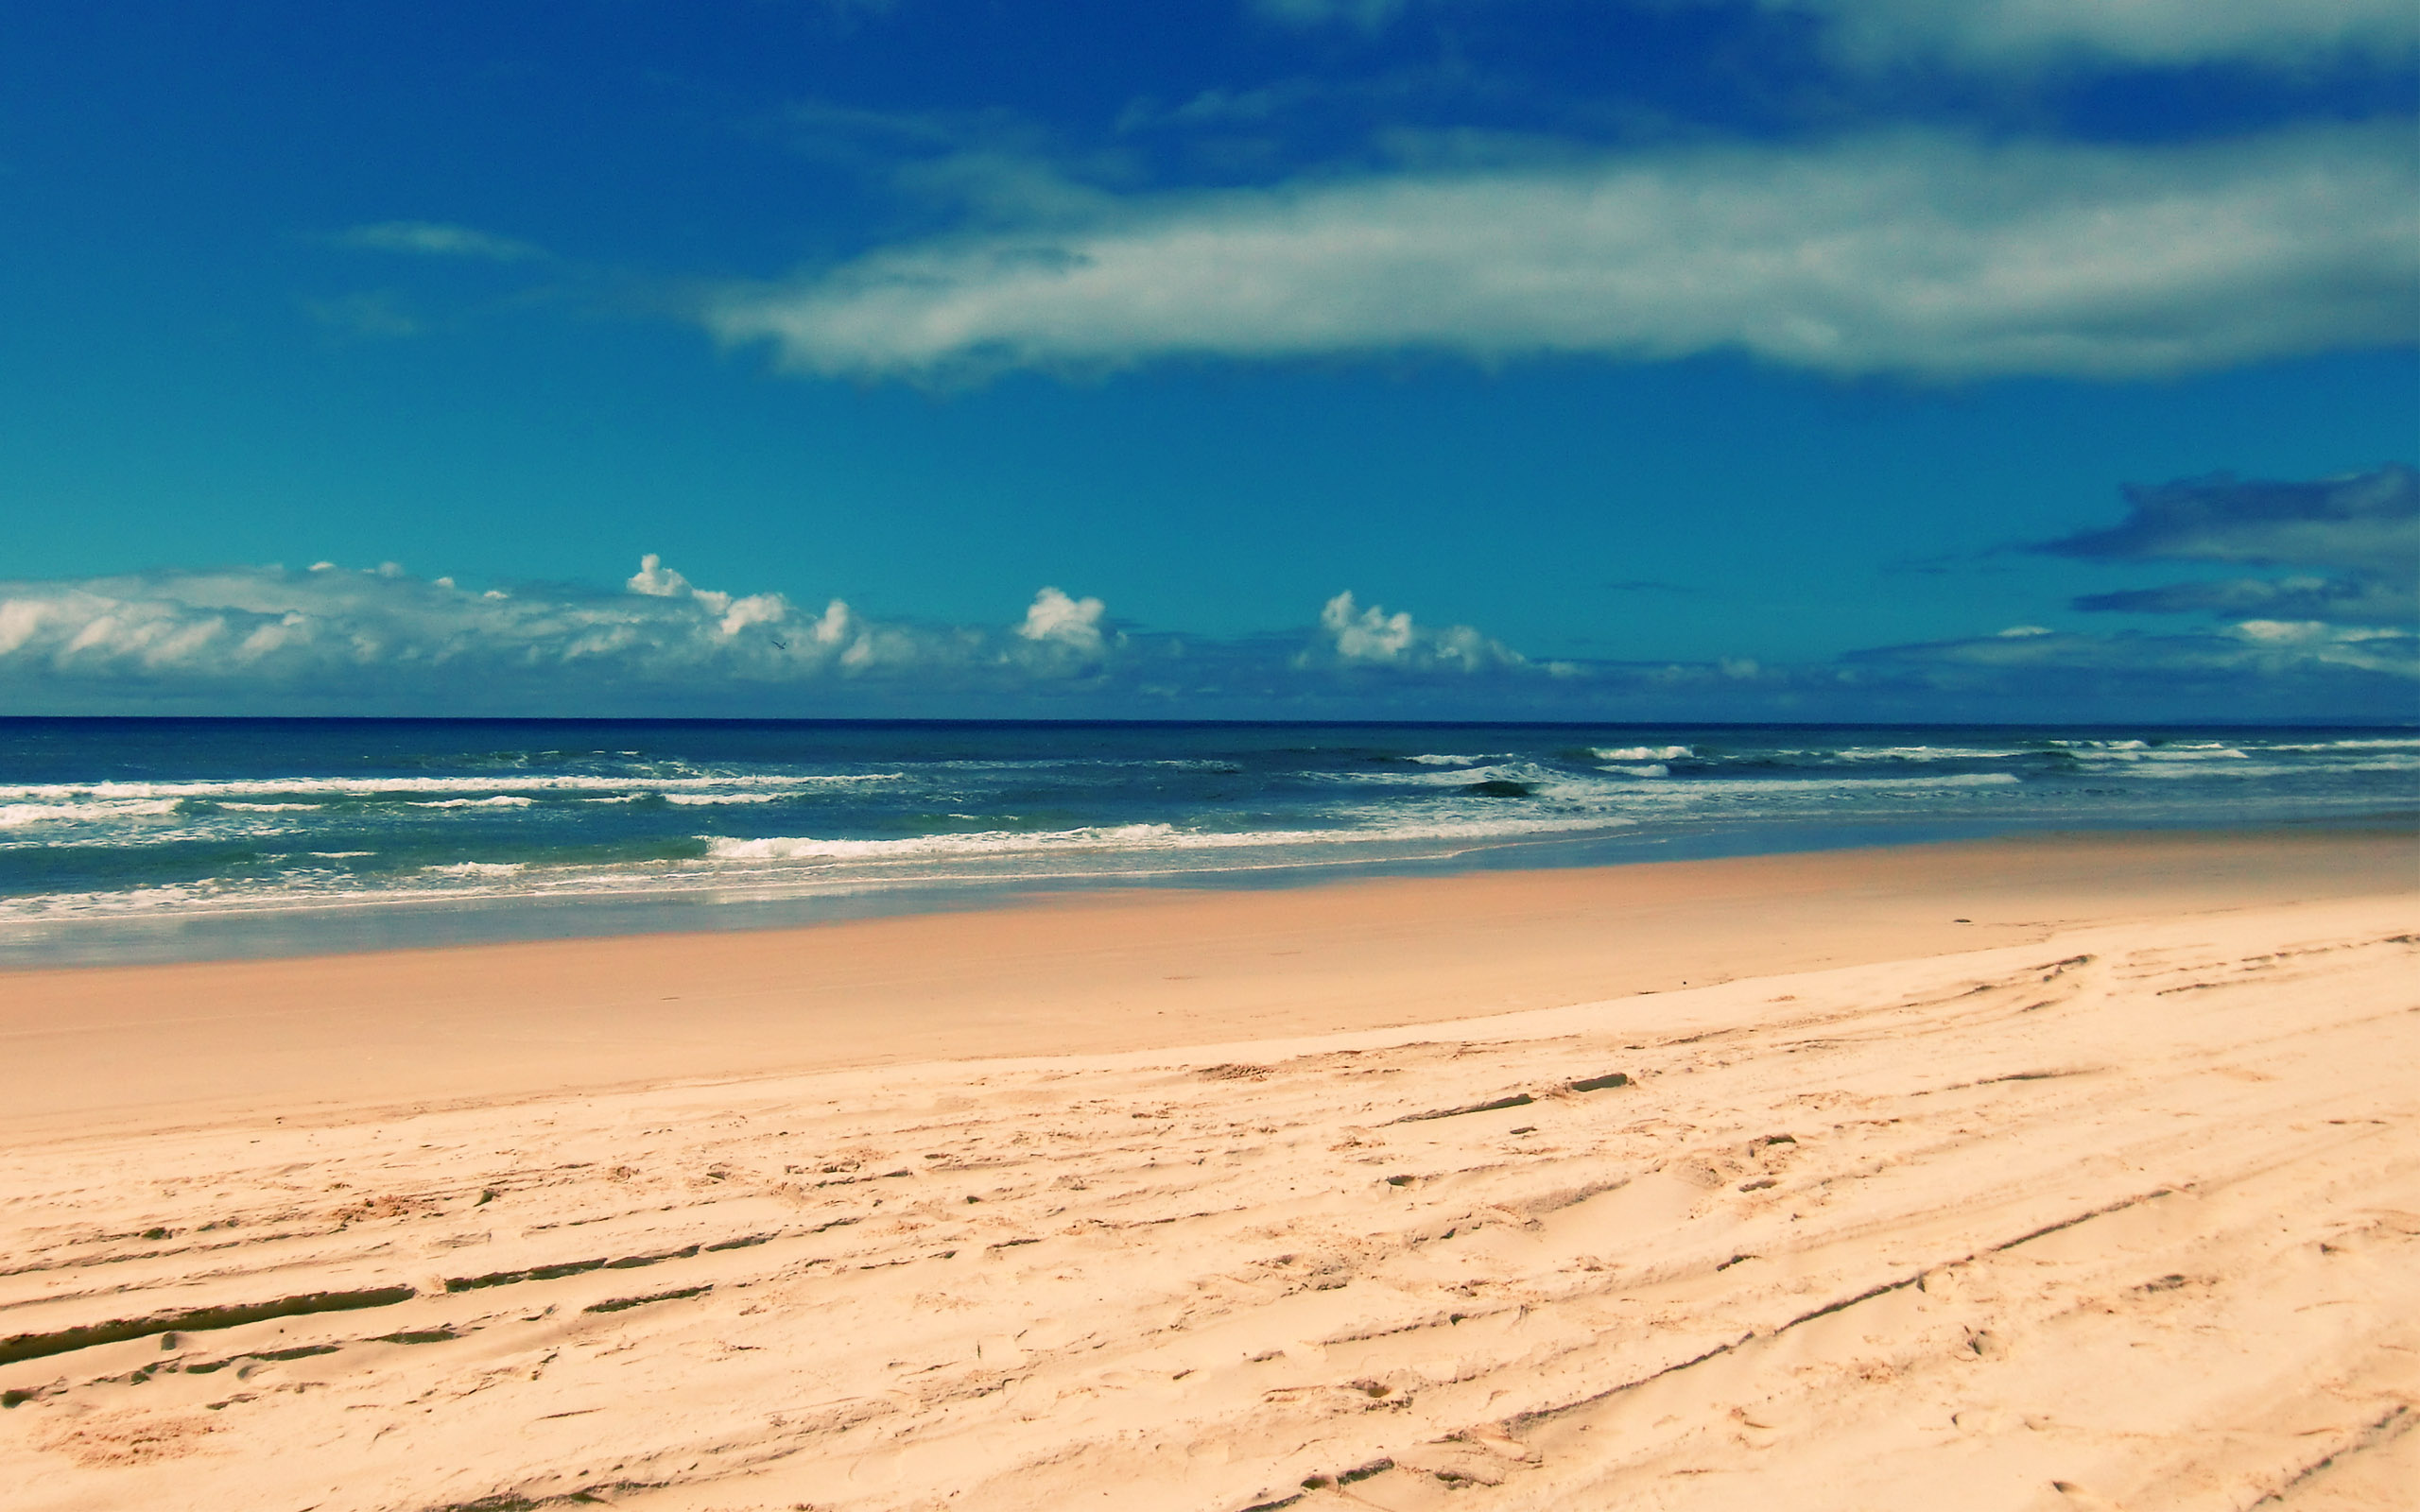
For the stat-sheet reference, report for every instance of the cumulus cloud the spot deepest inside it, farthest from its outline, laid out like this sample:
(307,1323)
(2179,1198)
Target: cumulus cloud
(2366,525)
(329,633)
(428,238)
(264,639)
(731,615)
(382,641)
(1906,252)
(1070,624)
(1352,636)
(2001,33)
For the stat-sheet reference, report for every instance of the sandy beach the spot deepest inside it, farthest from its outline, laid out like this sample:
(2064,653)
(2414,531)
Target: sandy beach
(2059,1172)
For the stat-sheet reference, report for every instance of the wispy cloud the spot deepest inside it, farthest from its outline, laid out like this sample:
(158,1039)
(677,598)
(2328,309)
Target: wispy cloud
(2365,520)
(375,314)
(1906,252)
(2002,33)
(2258,657)
(428,238)
(2019,33)
(1369,15)
(2357,600)
(2365,527)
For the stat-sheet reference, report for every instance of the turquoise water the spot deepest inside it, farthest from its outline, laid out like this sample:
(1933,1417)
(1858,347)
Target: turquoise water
(149,839)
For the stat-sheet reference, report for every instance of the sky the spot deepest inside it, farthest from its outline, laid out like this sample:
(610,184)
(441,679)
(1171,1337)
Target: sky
(2017,360)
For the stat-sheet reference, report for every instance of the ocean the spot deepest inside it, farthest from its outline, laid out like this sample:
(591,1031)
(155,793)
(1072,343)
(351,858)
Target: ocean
(161,839)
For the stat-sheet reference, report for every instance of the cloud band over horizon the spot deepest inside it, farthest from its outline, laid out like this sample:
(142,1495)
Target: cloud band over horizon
(267,640)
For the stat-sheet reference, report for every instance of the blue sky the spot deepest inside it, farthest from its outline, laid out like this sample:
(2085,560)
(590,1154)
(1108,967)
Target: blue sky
(1664,359)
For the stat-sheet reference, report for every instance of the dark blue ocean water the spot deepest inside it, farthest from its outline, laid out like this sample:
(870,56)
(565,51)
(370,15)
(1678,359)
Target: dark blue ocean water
(145,839)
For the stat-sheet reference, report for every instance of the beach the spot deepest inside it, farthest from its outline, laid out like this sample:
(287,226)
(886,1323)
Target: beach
(2058,1170)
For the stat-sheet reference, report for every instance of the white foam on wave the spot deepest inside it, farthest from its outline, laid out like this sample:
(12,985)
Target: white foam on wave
(1918,753)
(91,812)
(399,788)
(1411,808)
(2191,771)
(768,866)
(1685,792)
(1465,822)
(1506,771)
(808,848)
(2378,743)
(2133,753)
(1078,768)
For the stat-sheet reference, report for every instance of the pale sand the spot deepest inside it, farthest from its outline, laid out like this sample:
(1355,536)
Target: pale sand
(2118,1205)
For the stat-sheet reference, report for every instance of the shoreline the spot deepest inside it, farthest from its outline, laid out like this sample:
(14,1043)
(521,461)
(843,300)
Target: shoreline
(239,842)
(373,923)
(1089,973)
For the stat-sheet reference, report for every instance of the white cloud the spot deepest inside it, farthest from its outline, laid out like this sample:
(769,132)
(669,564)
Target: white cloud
(428,238)
(1373,635)
(1904,252)
(257,637)
(380,640)
(731,615)
(1054,619)
(653,578)
(2318,633)
(374,632)
(1352,636)
(1991,33)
